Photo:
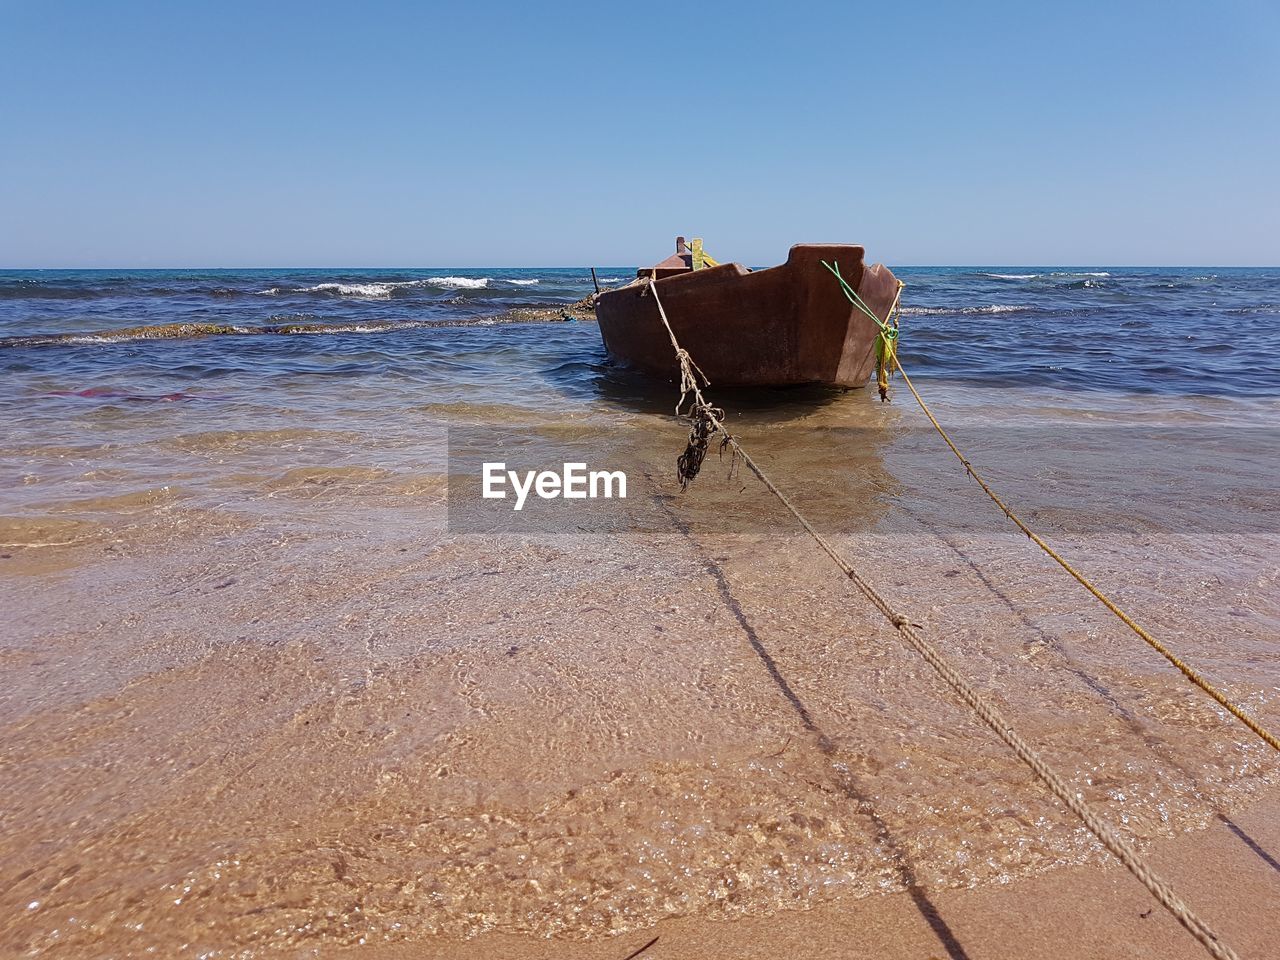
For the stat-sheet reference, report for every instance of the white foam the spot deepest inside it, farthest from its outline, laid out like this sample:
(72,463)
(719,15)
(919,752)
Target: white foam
(372,291)
(376,291)
(383,291)
(464,283)
(1012,276)
(940,311)
(524,283)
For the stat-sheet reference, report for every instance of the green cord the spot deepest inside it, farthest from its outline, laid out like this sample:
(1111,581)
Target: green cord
(857,301)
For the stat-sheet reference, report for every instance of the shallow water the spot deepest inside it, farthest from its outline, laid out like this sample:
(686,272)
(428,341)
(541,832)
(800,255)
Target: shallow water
(266,688)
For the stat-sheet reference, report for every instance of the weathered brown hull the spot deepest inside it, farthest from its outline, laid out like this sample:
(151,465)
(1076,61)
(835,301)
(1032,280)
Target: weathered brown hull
(785,325)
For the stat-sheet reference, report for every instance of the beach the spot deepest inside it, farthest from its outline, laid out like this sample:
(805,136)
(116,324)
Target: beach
(273,692)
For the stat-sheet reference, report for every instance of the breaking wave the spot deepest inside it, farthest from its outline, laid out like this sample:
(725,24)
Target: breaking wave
(947,311)
(1038,276)
(387,289)
(40,289)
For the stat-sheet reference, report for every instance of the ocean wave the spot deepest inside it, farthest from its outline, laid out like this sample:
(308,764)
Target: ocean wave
(297,325)
(38,290)
(1036,276)
(359,290)
(365,291)
(947,311)
(1255,308)
(386,289)
(284,318)
(99,289)
(454,283)
(196,331)
(370,291)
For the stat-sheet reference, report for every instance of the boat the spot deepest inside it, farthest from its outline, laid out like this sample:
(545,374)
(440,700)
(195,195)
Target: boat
(783,325)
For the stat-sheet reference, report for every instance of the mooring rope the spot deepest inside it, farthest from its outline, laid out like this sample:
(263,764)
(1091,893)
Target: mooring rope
(889,337)
(984,709)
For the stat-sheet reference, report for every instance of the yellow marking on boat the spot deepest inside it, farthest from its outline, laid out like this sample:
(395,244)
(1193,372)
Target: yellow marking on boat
(700,258)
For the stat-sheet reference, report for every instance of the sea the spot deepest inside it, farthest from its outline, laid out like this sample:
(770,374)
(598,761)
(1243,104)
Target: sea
(116,361)
(1191,331)
(267,689)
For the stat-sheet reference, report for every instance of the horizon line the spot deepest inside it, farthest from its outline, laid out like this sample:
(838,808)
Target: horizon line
(598,266)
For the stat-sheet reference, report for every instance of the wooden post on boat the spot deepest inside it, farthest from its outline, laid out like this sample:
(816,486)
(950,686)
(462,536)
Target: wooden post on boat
(594,280)
(699,255)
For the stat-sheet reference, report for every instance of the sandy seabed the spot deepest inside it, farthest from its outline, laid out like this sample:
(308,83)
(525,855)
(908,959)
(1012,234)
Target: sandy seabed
(307,718)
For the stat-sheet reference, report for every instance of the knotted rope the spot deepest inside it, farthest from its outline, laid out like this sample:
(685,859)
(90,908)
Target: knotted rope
(704,419)
(985,710)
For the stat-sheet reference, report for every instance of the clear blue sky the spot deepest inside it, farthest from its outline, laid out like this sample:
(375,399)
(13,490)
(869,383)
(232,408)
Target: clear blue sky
(423,134)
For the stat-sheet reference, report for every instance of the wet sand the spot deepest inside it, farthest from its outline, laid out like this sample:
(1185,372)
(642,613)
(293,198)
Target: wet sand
(1229,872)
(278,707)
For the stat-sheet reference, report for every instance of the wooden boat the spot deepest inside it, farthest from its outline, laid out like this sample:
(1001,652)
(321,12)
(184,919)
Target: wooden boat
(788,324)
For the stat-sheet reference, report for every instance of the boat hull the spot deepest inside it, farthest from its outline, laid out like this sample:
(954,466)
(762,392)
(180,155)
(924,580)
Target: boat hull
(789,324)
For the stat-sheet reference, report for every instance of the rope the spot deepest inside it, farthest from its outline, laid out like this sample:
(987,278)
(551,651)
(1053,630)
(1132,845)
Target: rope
(887,342)
(985,710)
(689,371)
(889,338)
